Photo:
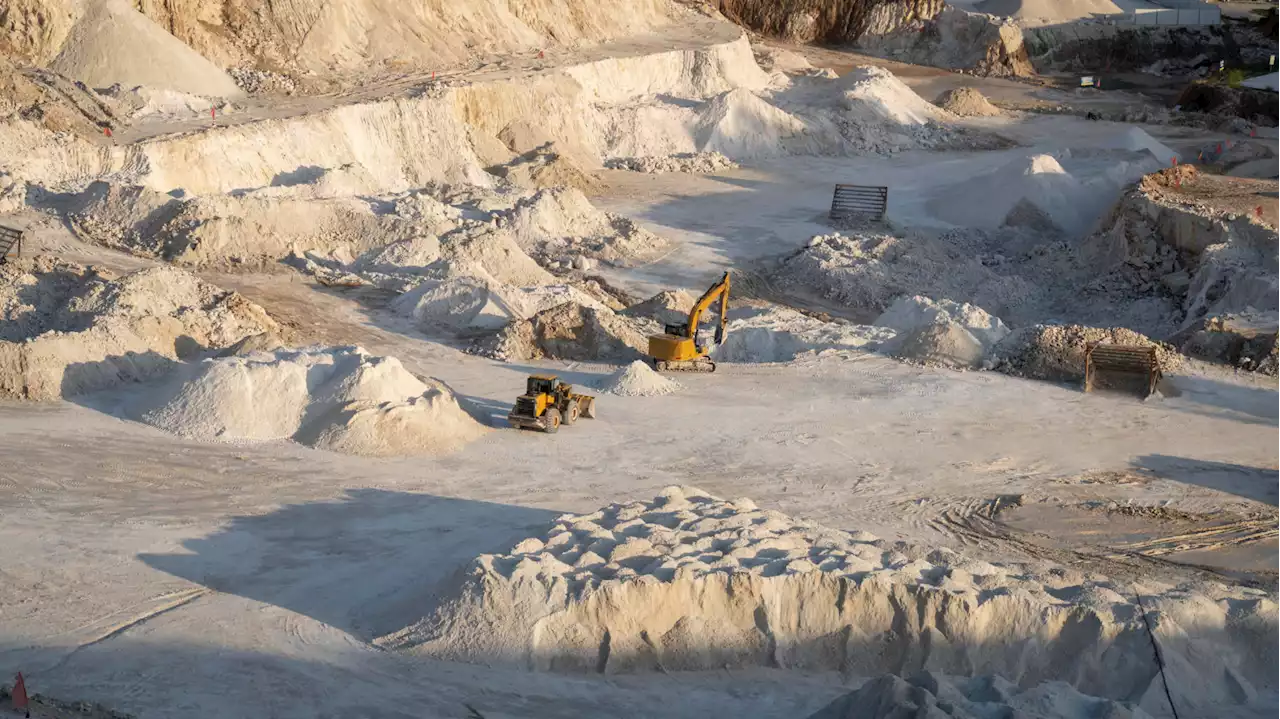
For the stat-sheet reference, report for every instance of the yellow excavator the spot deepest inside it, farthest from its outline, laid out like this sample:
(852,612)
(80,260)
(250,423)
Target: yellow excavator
(679,346)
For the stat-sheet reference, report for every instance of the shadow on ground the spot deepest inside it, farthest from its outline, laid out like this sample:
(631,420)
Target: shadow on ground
(367,564)
(1203,395)
(1256,483)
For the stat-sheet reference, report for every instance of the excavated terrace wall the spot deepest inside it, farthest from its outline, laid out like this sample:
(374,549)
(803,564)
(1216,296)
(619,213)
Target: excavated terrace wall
(403,142)
(1230,262)
(925,32)
(1092,48)
(827,21)
(816,621)
(351,36)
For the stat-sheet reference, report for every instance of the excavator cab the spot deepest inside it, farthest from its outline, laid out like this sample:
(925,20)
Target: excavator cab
(678,347)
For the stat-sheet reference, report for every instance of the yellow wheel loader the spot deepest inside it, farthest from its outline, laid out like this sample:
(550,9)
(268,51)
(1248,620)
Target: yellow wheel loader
(679,346)
(548,403)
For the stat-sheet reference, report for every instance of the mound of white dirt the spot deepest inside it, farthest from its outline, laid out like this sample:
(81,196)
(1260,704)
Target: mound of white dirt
(638,379)
(66,330)
(689,581)
(1056,352)
(13,193)
(876,91)
(953,334)
(743,125)
(94,53)
(868,271)
(256,227)
(571,331)
(783,335)
(696,163)
(910,313)
(337,398)
(947,344)
(967,102)
(936,696)
(469,303)
(1137,140)
(667,307)
(987,200)
(561,224)
(545,167)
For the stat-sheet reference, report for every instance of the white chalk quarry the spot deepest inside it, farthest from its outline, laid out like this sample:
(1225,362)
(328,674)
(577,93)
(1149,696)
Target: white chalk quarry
(689,581)
(338,398)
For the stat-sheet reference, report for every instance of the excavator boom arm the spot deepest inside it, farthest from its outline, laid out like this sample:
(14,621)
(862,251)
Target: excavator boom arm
(720,291)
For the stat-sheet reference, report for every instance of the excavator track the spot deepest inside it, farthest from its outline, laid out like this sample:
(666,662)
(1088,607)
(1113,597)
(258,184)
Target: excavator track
(698,365)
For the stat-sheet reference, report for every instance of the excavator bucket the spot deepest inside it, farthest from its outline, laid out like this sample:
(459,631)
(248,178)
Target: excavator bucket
(1139,365)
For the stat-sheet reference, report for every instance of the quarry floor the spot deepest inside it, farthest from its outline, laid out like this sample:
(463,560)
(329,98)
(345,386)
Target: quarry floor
(169,577)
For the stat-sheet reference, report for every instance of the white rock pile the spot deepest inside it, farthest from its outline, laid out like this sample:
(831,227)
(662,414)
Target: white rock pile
(337,398)
(689,581)
(638,379)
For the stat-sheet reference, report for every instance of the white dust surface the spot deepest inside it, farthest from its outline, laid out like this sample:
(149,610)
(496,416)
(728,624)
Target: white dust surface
(937,696)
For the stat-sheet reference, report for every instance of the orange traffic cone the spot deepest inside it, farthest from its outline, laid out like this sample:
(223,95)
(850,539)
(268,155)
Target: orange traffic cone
(19,695)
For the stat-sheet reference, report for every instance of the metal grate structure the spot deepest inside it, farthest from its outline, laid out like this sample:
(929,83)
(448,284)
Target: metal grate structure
(10,241)
(868,200)
(1122,359)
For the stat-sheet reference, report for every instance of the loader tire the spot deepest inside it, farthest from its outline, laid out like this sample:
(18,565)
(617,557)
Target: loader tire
(571,413)
(552,419)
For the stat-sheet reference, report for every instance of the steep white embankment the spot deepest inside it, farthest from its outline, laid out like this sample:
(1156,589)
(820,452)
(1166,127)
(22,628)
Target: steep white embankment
(688,581)
(346,37)
(402,142)
(356,36)
(1214,261)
